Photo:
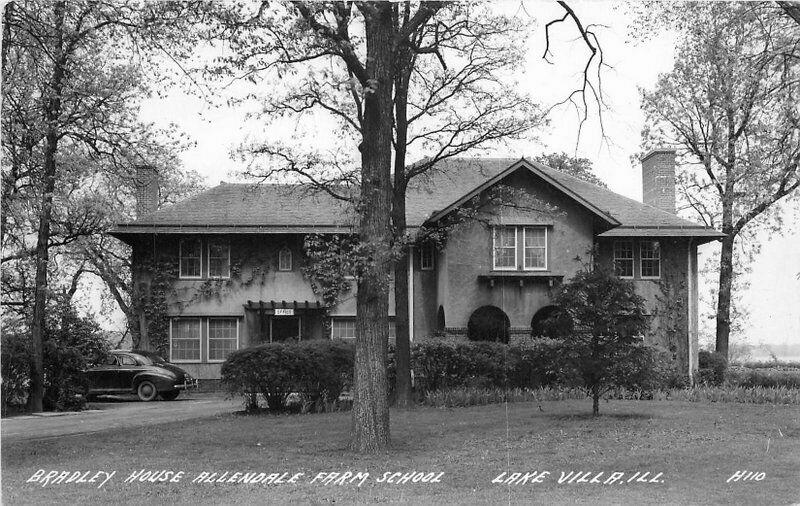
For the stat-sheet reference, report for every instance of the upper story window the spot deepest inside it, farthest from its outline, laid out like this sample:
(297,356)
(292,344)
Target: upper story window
(219,260)
(505,248)
(650,259)
(535,244)
(190,250)
(426,257)
(623,259)
(285,259)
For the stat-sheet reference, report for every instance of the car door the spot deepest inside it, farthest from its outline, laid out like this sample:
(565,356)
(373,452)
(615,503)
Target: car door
(102,376)
(128,368)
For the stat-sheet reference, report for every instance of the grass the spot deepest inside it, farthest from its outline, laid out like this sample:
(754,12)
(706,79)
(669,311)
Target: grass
(697,447)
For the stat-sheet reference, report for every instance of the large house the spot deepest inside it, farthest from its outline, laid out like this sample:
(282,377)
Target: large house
(234,257)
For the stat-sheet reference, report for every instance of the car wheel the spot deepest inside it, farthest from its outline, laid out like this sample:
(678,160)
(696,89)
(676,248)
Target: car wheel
(146,391)
(171,395)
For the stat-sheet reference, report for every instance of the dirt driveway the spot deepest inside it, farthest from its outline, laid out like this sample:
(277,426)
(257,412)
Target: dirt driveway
(113,414)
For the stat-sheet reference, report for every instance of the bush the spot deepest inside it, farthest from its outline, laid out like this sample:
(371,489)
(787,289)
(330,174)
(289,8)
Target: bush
(15,360)
(712,366)
(318,370)
(767,378)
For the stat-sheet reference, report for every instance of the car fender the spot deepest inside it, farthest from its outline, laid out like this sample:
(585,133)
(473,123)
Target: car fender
(163,381)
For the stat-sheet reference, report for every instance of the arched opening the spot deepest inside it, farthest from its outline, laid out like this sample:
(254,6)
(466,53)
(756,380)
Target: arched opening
(488,323)
(552,322)
(440,324)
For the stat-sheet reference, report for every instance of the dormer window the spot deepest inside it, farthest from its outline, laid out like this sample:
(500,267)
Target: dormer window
(285,259)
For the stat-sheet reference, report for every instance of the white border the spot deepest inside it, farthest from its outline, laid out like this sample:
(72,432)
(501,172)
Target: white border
(200,338)
(180,259)
(632,259)
(659,259)
(208,258)
(494,251)
(208,337)
(546,259)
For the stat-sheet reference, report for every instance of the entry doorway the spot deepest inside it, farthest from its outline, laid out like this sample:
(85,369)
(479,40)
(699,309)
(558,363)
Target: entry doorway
(285,328)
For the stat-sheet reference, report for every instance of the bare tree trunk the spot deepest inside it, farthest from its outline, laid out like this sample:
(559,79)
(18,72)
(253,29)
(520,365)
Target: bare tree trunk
(724,296)
(370,431)
(52,106)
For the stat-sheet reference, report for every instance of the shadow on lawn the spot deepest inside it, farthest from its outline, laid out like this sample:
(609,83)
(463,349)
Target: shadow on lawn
(601,416)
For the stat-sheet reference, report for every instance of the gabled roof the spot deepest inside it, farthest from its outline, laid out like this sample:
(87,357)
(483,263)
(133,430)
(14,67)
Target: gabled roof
(245,208)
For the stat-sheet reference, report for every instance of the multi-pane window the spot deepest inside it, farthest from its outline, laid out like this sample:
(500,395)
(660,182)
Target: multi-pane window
(185,340)
(535,244)
(222,338)
(343,328)
(190,258)
(505,248)
(623,259)
(219,260)
(285,259)
(650,259)
(426,257)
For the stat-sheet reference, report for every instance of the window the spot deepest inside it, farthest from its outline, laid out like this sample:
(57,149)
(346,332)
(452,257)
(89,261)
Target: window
(185,340)
(650,258)
(426,257)
(127,360)
(623,259)
(535,243)
(223,338)
(343,328)
(505,248)
(392,330)
(219,260)
(285,259)
(190,258)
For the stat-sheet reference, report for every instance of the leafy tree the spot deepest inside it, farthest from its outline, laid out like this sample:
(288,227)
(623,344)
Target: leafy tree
(577,167)
(729,106)
(608,319)
(70,90)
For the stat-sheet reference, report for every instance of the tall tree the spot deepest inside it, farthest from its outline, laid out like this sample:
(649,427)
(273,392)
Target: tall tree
(730,106)
(70,85)
(574,166)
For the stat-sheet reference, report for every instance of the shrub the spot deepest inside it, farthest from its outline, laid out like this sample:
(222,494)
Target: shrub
(712,366)
(767,378)
(319,370)
(15,360)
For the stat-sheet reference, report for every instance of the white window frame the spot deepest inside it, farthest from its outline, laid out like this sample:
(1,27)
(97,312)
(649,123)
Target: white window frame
(546,259)
(495,235)
(426,257)
(208,337)
(282,267)
(180,259)
(343,319)
(199,338)
(208,258)
(632,257)
(657,259)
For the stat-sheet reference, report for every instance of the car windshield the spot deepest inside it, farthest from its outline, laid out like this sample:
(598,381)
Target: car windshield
(150,358)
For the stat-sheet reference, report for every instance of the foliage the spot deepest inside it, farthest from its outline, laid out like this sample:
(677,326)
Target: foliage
(712,366)
(318,370)
(729,106)
(767,378)
(15,360)
(775,364)
(332,259)
(604,351)
(574,166)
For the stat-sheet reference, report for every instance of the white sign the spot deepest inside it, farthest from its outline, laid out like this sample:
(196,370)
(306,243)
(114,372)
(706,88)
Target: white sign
(284,312)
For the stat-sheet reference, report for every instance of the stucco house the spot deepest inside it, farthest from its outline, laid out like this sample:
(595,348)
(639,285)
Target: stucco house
(235,253)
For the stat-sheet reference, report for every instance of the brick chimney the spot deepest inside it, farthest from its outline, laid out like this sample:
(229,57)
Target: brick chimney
(147,189)
(658,179)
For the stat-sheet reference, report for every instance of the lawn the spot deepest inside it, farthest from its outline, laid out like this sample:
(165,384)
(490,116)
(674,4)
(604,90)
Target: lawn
(696,447)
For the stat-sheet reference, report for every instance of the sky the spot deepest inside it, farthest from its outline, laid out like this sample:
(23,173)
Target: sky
(773,297)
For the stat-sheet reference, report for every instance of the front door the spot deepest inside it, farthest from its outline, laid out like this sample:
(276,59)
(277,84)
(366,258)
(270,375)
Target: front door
(285,328)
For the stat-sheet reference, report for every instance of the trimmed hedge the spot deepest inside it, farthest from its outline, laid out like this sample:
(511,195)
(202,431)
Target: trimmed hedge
(712,367)
(318,370)
(766,378)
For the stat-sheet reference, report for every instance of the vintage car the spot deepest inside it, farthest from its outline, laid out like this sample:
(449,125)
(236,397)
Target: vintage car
(143,373)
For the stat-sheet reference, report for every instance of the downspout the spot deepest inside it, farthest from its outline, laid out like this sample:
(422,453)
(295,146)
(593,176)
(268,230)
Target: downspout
(690,311)
(411,296)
